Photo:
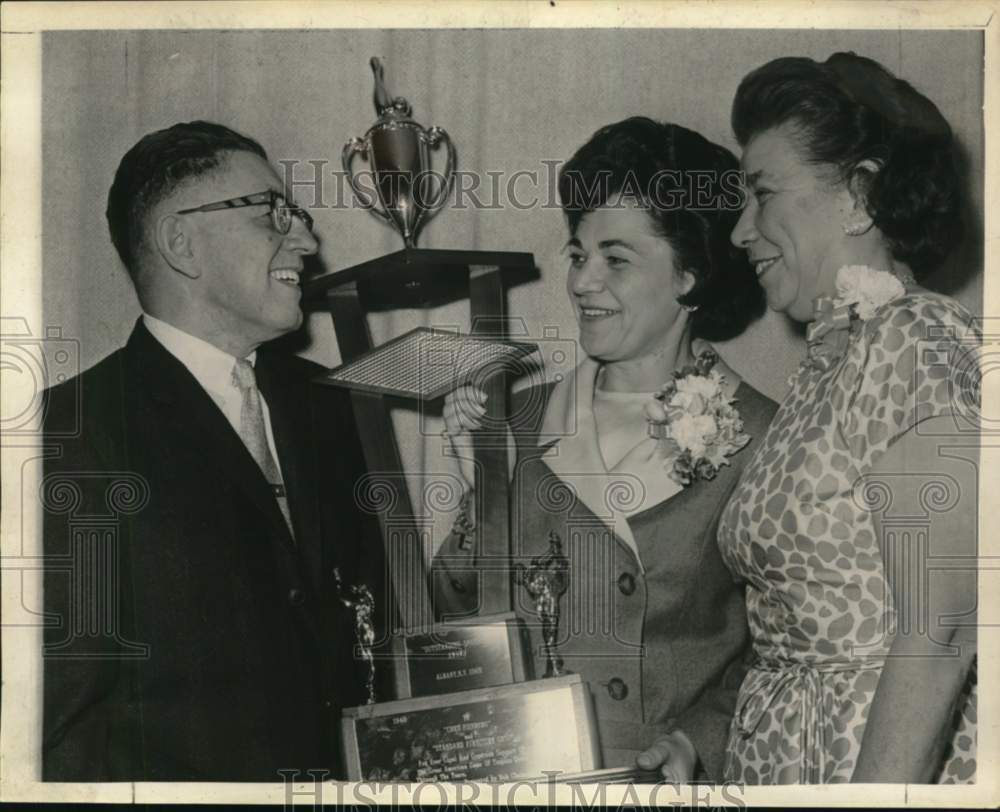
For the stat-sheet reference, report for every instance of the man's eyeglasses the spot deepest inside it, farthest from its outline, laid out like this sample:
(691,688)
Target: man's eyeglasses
(282,211)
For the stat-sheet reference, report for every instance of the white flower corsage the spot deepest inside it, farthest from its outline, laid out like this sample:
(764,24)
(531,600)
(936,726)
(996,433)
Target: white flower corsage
(696,423)
(861,291)
(866,289)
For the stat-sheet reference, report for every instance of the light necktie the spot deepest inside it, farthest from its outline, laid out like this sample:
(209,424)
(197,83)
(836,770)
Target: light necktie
(254,435)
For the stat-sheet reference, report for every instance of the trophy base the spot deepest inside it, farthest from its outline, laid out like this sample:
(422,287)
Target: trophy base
(528,730)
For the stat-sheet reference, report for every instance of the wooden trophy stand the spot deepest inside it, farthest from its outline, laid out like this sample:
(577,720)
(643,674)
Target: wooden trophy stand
(422,277)
(450,723)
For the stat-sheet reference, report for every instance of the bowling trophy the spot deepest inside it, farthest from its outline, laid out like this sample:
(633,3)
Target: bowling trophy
(464,704)
(405,191)
(545,580)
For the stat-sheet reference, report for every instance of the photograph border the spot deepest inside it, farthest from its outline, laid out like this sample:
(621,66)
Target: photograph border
(21,259)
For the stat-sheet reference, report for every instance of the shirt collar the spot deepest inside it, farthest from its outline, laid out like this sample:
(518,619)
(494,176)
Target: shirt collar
(211,367)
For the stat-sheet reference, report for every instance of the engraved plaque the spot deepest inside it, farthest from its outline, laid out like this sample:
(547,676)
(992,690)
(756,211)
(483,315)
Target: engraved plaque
(478,653)
(513,732)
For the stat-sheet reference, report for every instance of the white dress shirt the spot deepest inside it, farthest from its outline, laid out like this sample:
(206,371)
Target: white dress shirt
(213,369)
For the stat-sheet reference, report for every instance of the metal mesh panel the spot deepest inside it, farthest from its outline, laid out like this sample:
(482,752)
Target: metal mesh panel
(424,364)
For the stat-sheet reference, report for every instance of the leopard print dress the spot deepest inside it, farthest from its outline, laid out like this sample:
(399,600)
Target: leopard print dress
(818,602)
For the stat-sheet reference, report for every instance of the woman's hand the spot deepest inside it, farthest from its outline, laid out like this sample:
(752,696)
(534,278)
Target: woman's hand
(674,755)
(464,409)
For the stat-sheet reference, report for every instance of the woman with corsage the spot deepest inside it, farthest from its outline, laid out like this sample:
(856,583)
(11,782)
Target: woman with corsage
(863,648)
(630,459)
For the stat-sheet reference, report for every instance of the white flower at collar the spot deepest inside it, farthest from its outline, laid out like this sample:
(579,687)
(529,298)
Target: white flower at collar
(867,289)
(694,432)
(689,402)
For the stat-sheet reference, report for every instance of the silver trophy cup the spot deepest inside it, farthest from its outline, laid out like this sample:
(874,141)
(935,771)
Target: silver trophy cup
(400,187)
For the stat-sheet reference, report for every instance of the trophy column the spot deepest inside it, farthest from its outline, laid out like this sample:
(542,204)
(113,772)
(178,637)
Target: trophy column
(487,301)
(425,278)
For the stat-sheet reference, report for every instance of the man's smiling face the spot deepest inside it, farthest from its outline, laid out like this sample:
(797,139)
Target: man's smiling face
(248,290)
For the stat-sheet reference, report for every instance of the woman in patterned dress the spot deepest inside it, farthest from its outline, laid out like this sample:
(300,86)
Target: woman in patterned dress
(864,654)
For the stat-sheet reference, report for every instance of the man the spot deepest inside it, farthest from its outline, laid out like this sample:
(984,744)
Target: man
(193,631)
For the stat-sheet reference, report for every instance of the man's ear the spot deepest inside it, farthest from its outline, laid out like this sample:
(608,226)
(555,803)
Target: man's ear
(857,220)
(173,242)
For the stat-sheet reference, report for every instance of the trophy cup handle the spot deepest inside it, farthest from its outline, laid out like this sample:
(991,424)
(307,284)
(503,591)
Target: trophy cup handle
(433,137)
(351,150)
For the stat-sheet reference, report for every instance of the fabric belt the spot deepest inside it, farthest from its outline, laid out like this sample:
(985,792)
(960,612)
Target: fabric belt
(808,679)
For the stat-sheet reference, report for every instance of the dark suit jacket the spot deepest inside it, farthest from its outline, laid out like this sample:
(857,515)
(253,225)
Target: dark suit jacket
(662,645)
(188,636)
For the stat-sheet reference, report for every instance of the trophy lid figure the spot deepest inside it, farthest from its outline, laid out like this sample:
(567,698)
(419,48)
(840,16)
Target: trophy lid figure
(358,598)
(546,580)
(386,105)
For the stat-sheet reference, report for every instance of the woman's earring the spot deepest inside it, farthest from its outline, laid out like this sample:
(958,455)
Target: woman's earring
(688,308)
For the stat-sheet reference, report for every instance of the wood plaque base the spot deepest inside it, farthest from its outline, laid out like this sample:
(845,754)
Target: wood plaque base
(491,734)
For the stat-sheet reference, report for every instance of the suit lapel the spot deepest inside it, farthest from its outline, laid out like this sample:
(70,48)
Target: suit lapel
(576,456)
(186,410)
(571,449)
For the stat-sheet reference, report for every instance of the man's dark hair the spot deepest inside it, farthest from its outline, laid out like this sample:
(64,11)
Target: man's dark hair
(156,166)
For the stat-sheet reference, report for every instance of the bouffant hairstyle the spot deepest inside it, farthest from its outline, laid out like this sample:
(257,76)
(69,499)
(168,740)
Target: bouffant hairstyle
(848,110)
(157,165)
(690,188)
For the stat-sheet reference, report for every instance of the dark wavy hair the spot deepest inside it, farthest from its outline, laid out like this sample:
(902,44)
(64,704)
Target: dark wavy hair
(850,109)
(157,165)
(690,189)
